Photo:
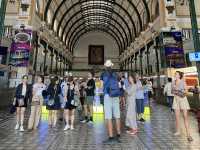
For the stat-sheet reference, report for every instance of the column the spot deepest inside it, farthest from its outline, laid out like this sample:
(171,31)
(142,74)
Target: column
(2,17)
(45,59)
(36,54)
(121,66)
(147,53)
(195,34)
(56,63)
(157,62)
(132,63)
(64,65)
(128,63)
(60,65)
(51,66)
(141,64)
(135,62)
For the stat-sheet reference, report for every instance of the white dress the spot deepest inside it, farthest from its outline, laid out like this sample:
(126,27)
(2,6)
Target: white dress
(131,107)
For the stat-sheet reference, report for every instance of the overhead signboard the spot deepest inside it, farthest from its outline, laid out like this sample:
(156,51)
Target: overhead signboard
(173,49)
(195,56)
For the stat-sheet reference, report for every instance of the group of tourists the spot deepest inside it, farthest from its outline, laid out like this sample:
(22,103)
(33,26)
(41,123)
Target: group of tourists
(64,96)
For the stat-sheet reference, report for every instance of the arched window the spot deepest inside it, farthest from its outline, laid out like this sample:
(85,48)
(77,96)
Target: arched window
(49,16)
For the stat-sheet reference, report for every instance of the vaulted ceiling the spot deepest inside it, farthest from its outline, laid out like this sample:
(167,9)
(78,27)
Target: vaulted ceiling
(123,20)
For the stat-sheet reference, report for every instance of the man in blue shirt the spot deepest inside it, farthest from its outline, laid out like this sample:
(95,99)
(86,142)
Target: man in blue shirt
(111,104)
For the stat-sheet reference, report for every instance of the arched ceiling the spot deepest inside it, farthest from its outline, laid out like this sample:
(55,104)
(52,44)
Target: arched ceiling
(123,20)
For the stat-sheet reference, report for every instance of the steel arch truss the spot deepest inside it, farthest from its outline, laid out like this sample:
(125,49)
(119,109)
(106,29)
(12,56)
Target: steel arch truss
(83,32)
(123,17)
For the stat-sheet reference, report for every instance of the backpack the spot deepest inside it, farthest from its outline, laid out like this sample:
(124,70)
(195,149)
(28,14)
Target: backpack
(114,89)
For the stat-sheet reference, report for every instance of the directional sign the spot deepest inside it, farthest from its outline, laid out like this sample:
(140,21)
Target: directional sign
(195,56)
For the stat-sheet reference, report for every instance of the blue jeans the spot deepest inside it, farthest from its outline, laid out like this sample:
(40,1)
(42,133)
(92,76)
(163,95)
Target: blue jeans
(140,106)
(170,100)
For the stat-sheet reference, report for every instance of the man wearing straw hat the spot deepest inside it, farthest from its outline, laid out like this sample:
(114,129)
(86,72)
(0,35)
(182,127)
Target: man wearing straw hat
(111,102)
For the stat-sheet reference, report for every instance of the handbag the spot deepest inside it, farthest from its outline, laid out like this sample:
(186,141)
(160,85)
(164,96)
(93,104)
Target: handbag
(12,109)
(74,103)
(180,94)
(51,101)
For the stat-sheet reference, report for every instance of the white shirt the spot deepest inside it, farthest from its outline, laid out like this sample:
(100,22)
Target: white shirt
(168,89)
(38,88)
(23,90)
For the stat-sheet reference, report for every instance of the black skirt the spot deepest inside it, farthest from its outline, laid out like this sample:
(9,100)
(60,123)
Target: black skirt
(17,103)
(69,106)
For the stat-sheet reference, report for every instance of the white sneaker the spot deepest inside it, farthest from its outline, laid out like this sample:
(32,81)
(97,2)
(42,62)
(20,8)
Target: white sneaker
(177,133)
(83,121)
(17,127)
(90,122)
(21,129)
(72,127)
(66,128)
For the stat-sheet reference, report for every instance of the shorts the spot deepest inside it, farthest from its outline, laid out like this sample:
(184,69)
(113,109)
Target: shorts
(140,106)
(111,107)
(180,103)
(89,100)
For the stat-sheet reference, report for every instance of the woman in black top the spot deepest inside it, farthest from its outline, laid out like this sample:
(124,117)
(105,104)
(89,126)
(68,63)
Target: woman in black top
(22,94)
(53,91)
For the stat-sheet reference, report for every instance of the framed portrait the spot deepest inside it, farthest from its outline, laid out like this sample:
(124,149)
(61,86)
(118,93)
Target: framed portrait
(96,55)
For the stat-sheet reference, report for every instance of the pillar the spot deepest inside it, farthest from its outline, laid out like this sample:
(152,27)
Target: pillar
(128,64)
(147,53)
(132,63)
(64,66)
(135,62)
(56,63)
(61,65)
(2,17)
(45,59)
(195,34)
(51,65)
(141,64)
(36,54)
(157,62)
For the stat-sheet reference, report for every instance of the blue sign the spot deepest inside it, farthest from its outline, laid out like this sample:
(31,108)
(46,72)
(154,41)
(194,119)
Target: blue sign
(195,56)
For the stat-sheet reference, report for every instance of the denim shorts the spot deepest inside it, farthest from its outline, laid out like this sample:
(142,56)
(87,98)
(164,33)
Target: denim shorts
(89,100)
(111,107)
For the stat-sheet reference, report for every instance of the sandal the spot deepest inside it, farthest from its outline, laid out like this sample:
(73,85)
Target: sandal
(133,132)
(190,139)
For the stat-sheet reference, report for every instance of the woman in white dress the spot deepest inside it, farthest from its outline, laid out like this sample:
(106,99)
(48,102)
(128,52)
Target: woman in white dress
(131,106)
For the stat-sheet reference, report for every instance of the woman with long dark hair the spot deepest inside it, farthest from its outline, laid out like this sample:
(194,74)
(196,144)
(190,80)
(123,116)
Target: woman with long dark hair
(180,103)
(53,103)
(22,95)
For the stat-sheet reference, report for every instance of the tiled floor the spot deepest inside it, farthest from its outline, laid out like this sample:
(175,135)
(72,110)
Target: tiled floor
(155,134)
